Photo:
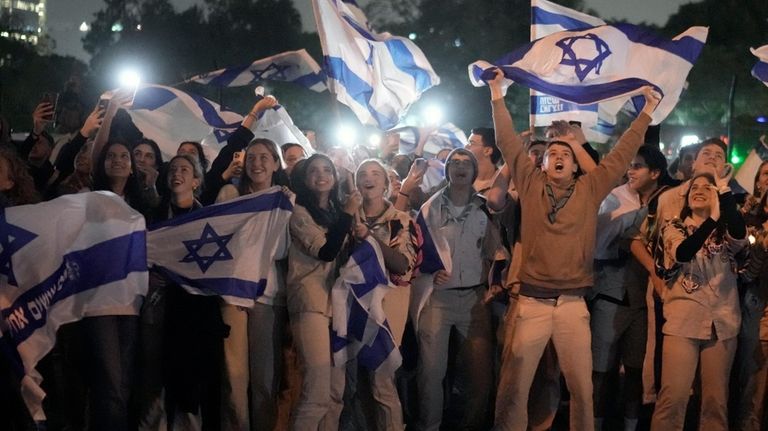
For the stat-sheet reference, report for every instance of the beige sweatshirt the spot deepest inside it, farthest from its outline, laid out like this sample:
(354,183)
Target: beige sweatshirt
(557,257)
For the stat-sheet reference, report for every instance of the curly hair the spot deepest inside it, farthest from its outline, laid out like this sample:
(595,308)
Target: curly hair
(23,191)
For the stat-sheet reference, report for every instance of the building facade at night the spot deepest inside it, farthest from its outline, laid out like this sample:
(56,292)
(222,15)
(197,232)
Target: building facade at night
(23,20)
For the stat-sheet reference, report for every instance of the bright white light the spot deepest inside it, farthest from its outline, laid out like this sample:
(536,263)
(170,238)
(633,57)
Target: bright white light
(432,115)
(129,78)
(752,239)
(138,27)
(689,140)
(117,27)
(84,27)
(412,36)
(346,135)
(662,146)
(374,140)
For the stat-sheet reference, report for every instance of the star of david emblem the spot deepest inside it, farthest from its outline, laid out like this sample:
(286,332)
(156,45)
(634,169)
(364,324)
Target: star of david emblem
(587,42)
(12,239)
(273,71)
(195,247)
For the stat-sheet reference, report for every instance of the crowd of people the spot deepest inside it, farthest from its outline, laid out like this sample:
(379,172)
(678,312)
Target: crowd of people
(533,262)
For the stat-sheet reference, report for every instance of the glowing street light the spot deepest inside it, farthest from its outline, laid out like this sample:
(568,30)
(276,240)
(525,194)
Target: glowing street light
(84,27)
(129,78)
(432,115)
(689,140)
(346,135)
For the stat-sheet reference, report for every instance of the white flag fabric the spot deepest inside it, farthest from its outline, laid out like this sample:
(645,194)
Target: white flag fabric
(376,74)
(604,63)
(227,249)
(548,18)
(360,329)
(760,70)
(297,67)
(61,260)
(169,117)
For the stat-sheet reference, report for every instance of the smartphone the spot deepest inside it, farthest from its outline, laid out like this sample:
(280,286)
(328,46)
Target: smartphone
(239,156)
(421,164)
(102,106)
(52,99)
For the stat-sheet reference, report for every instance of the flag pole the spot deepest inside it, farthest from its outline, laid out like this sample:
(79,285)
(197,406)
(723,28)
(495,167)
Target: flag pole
(731,99)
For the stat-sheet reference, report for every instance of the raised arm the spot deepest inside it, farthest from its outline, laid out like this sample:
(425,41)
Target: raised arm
(613,166)
(509,142)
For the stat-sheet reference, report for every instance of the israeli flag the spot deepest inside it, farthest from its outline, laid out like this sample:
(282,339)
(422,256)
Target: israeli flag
(447,136)
(605,63)
(228,249)
(293,66)
(360,328)
(548,18)
(170,116)
(376,74)
(760,71)
(88,258)
(435,254)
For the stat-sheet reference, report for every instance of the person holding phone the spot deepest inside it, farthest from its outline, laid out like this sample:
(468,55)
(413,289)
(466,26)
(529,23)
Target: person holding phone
(38,146)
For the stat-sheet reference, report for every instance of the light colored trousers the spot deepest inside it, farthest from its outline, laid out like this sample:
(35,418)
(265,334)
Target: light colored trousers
(322,386)
(679,359)
(565,321)
(752,362)
(544,398)
(252,355)
(465,311)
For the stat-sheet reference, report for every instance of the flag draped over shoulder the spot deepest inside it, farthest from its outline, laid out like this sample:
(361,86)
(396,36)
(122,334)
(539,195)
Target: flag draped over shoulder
(435,254)
(760,71)
(376,74)
(548,18)
(87,259)
(170,116)
(604,63)
(360,329)
(226,249)
(292,66)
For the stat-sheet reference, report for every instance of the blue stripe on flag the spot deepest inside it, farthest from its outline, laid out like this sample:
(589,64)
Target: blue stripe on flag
(151,98)
(403,59)
(309,80)
(106,262)
(357,320)
(583,95)
(223,286)
(760,71)
(688,48)
(541,16)
(267,202)
(431,261)
(373,355)
(368,263)
(229,75)
(358,89)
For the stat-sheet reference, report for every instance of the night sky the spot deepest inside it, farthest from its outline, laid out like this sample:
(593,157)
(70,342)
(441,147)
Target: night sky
(65,16)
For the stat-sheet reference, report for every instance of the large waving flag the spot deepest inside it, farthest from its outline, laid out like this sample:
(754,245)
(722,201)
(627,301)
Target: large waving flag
(548,18)
(293,66)
(376,74)
(89,258)
(447,136)
(228,249)
(760,71)
(170,116)
(360,328)
(605,63)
